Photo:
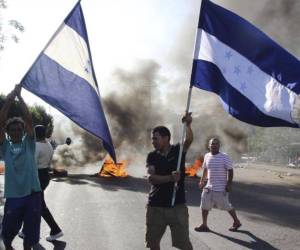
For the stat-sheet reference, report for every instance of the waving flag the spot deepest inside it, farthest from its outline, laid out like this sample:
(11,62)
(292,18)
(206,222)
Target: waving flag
(63,76)
(257,80)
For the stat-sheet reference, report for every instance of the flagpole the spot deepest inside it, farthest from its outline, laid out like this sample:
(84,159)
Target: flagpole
(196,52)
(181,144)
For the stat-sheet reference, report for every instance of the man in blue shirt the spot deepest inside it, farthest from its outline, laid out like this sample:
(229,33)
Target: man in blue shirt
(22,187)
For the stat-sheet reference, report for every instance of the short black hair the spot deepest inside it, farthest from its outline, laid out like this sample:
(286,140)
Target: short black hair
(215,139)
(162,130)
(14,120)
(40,132)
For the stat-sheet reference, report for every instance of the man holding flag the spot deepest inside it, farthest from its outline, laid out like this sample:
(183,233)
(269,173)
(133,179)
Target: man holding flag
(22,187)
(163,174)
(64,77)
(257,80)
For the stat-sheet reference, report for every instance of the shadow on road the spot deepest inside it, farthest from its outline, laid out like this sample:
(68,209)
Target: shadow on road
(57,245)
(279,204)
(38,247)
(256,244)
(273,203)
(111,184)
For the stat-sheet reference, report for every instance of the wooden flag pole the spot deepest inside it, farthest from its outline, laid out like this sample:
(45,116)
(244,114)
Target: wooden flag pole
(181,144)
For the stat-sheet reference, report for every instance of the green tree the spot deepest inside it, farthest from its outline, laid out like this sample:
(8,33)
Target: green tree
(39,115)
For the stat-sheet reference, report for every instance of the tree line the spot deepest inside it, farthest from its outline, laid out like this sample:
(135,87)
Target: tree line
(39,114)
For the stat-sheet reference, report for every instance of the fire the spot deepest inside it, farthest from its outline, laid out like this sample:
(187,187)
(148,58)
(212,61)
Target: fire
(193,169)
(2,168)
(112,169)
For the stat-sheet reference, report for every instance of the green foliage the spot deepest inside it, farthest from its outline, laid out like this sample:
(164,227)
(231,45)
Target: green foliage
(39,114)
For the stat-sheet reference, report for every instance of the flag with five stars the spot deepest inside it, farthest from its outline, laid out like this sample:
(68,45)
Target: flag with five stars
(64,77)
(257,80)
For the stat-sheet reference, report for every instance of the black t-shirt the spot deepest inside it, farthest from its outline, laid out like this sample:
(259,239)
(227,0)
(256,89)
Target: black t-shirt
(161,194)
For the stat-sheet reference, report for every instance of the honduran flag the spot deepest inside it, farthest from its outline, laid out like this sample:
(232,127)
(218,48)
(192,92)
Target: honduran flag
(63,76)
(257,80)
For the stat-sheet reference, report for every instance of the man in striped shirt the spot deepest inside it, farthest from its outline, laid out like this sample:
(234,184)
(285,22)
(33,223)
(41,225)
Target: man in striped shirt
(218,172)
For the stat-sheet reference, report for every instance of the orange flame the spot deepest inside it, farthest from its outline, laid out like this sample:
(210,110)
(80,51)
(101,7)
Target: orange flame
(112,169)
(2,168)
(193,169)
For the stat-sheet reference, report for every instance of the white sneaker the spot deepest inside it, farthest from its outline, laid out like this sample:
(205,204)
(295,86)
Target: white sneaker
(21,235)
(54,236)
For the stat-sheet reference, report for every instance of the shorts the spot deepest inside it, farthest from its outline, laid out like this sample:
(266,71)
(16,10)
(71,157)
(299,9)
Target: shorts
(215,199)
(157,220)
(25,210)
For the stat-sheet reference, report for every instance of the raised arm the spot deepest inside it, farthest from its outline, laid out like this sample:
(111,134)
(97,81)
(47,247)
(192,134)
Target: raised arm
(27,115)
(189,136)
(3,113)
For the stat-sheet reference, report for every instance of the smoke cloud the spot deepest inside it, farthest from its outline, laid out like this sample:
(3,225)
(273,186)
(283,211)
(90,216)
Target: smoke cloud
(154,92)
(135,109)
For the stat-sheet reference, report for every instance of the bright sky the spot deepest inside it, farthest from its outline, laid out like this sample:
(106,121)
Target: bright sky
(120,32)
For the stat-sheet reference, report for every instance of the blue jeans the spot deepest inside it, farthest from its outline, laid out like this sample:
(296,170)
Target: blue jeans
(25,210)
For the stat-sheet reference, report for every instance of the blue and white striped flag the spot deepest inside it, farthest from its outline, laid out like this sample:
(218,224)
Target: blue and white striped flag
(258,81)
(63,76)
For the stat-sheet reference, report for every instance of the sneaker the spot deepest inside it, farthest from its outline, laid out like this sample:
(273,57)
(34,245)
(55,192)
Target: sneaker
(53,237)
(21,235)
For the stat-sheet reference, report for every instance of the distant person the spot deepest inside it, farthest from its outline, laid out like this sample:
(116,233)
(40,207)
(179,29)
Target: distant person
(162,170)
(22,187)
(43,156)
(218,173)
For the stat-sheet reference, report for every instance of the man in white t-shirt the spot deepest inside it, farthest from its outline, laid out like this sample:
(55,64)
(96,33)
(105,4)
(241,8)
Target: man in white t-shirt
(218,172)
(43,157)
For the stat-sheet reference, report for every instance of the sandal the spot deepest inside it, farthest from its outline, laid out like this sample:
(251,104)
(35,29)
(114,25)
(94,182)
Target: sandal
(235,227)
(202,229)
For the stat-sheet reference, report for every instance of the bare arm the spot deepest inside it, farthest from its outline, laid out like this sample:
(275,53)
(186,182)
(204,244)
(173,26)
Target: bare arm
(229,180)
(3,113)
(203,179)
(189,136)
(230,175)
(160,179)
(27,115)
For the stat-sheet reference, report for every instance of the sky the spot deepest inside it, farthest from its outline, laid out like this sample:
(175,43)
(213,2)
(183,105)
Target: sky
(137,43)
(122,33)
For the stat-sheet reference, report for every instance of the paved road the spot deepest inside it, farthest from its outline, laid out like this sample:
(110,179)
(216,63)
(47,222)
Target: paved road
(108,214)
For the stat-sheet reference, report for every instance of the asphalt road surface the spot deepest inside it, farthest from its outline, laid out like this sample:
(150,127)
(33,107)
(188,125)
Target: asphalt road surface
(109,214)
